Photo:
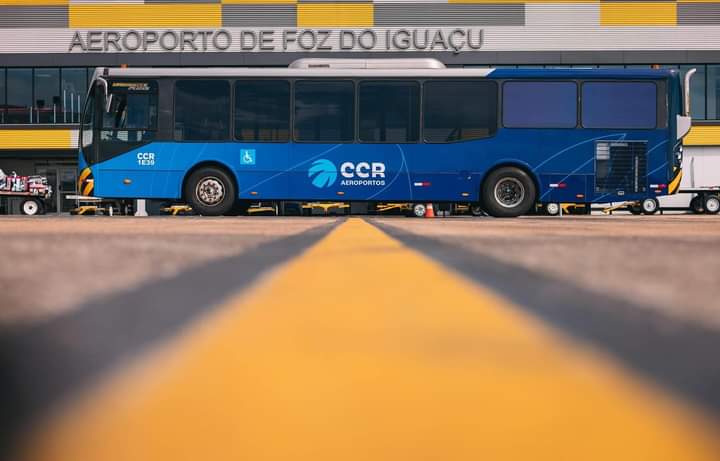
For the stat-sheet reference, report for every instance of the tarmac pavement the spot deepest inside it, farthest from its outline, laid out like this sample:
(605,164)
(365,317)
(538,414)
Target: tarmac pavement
(362,338)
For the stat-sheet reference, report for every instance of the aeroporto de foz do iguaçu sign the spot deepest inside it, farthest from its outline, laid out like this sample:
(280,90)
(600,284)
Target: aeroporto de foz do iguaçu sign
(453,39)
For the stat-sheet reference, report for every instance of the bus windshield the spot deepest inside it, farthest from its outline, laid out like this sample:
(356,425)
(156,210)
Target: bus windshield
(131,119)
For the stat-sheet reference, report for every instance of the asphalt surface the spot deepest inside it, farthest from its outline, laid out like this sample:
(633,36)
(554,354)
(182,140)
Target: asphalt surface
(119,334)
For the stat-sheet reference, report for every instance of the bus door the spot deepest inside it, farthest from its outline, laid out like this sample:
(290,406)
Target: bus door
(125,167)
(262,138)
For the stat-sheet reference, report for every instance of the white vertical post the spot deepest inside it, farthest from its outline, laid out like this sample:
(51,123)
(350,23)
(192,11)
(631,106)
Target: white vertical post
(140,209)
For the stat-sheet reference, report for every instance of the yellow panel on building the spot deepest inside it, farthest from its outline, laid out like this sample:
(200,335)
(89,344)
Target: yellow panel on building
(335,15)
(703,135)
(37,139)
(141,16)
(638,14)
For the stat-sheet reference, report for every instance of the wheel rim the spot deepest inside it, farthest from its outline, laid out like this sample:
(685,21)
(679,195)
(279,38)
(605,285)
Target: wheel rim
(210,191)
(419,210)
(649,206)
(30,207)
(509,192)
(712,205)
(553,208)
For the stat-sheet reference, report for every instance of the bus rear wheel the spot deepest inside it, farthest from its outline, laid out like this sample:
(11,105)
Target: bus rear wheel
(508,192)
(210,191)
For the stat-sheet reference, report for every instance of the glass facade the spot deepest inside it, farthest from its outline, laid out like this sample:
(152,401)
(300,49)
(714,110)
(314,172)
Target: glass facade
(19,96)
(52,95)
(43,95)
(47,106)
(2,97)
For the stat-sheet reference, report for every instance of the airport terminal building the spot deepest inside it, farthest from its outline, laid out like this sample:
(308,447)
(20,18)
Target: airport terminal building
(48,49)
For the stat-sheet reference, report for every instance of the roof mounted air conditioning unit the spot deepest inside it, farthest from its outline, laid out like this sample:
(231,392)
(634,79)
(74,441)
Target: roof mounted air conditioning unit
(391,63)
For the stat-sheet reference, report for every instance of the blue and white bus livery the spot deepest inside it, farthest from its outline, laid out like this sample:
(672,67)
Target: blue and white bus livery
(383,131)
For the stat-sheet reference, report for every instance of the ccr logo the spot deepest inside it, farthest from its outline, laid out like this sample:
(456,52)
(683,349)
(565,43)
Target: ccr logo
(322,173)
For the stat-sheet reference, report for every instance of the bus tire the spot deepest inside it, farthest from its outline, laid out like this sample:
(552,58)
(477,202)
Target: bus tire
(210,191)
(650,206)
(552,209)
(476,209)
(418,210)
(712,204)
(508,192)
(696,205)
(31,207)
(635,209)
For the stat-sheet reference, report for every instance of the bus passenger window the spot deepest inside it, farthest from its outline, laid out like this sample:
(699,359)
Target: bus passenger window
(540,104)
(202,110)
(458,110)
(262,110)
(324,111)
(389,111)
(622,105)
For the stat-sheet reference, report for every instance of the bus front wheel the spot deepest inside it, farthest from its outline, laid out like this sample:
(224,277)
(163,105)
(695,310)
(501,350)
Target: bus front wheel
(210,191)
(508,192)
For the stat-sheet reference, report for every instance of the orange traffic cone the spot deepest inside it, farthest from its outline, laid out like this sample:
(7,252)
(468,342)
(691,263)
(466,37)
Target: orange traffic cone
(429,213)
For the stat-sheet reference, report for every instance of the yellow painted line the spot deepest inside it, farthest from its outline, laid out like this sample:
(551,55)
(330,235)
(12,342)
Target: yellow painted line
(139,16)
(335,15)
(37,139)
(363,349)
(703,135)
(638,13)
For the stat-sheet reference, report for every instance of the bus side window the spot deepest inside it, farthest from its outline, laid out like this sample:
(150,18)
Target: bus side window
(389,111)
(324,111)
(459,110)
(539,104)
(202,110)
(619,105)
(262,110)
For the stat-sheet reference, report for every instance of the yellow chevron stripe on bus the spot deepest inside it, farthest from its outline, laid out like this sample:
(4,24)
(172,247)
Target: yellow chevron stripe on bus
(87,191)
(84,175)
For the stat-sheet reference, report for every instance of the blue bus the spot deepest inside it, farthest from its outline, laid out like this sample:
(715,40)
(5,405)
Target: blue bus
(381,130)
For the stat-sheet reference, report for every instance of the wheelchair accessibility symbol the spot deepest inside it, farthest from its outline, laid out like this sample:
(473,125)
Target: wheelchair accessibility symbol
(247,156)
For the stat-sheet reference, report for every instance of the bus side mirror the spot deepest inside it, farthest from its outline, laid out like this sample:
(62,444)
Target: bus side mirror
(106,91)
(686,91)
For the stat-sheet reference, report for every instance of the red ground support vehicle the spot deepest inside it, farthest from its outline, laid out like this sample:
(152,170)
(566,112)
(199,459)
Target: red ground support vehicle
(32,190)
